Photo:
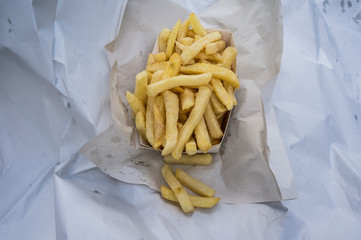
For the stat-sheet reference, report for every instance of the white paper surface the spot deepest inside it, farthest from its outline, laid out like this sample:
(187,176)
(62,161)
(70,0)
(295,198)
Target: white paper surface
(50,192)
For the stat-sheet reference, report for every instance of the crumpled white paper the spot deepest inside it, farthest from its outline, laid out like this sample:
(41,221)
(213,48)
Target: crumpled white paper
(242,170)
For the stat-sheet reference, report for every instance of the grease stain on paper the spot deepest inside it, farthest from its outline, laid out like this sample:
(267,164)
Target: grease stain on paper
(116,139)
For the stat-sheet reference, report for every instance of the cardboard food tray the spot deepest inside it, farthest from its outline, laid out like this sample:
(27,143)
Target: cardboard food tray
(227,36)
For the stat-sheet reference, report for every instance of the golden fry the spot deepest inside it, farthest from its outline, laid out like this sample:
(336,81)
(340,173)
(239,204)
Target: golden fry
(150,61)
(171,39)
(202,136)
(160,57)
(222,94)
(183,30)
(215,47)
(187,41)
(149,121)
(194,184)
(171,134)
(196,25)
(228,56)
(140,124)
(212,124)
(230,90)
(135,104)
(159,121)
(156,66)
(195,160)
(187,99)
(191,147)
(163,39)
(157,76)
(217,106)
(141,80)
(172,67)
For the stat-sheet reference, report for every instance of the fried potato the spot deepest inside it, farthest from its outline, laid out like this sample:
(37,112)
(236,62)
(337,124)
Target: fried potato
(183,30)
(177,188)
(156,66)
(230,91)
(202,136)
(212,124)
(196,114)
(217,72)
(171,39)
(194,184)
(196,25)
(163,39)
(177,90)
(191,33)
(228,56)
(159,121)
(217,106)
(135,104)
(150,61)
(190,52)
(172,67)
(191,147)
(160,57)
(181,46)
(201,202)
(184,80)
(204,56)
(171,109)
(157,76)
(222,94)
(187,99)
(215,47)
(197,37)
(140,124)
(149,131)
(187,41)
(195,160)
(141,80)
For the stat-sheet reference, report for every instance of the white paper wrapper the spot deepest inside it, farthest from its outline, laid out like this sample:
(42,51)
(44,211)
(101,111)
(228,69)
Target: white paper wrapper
(242,170)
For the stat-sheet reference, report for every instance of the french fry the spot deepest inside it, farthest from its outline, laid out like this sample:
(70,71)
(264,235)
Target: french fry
(163,39)
(197,37)
(191,147)
(184,80)
(217,72)
(160,57)
(149,77)
(141,80)
(191,51)
(177,90)
(172,67)
(135,104)
(183,30)
(196,25)
(187,41)
(222,94)
(171,134)
(156,66)
(215,47)
(171,39)
(140,124)
(230,91)
(183,117)
(201,202)
(157,76)
(212,124)
(181,46)
(196,114)
(217,106)
(204,56)
(149,131)
(202,136)
(179,126)
(194,184)
(187,99)
(159,121)
(228,56)
(191,33)
(177,188)
(195,160)
(150,61)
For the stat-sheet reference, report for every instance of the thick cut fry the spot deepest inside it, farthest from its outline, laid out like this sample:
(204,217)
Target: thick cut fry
(163,39)
(212,124)
(201,202)
(156,66)
(135,104)
(159,121)
(157,76)
(150,61)
(222,94)
(181,46)
(195,160)
(202,136)
(195,116)
(204,56)
(171,39)
(160,57)
(183,30)
(140,124)
(194,184)
(172,67)
(228,56)
(196,25)
(191,33)
(217,106)
(141,80)
(230,91)
(215,47)
(190,52)
(149,121)
(171,109)
(187,41)
(217,72)
(187,99)
(177,188)
(191,147)
(185,80)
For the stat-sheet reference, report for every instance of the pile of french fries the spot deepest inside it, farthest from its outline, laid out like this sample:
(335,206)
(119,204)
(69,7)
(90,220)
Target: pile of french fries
(182,96)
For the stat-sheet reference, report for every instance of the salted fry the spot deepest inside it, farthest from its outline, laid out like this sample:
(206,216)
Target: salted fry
(201,202)
(194,184)
(228,56)
(204,56)
(172,67)
(230,90)
(184,80)
(196,25)
(191,147)
(195,160)
(159,121)
(156,66)
(187,41)
(157,76)
(135,104)
(183,30)
(171,134)
(149,121)
(196,114)
(160,57)
(197,37)
(191,51)
(215,47)
(150,61)
(222,94)
(217,106)
(163,39)
(140,124)
(171,39)
(212,124)
(181,46)
(141,80)
(217,71)
(202,136)
(187,99)
(177,188)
